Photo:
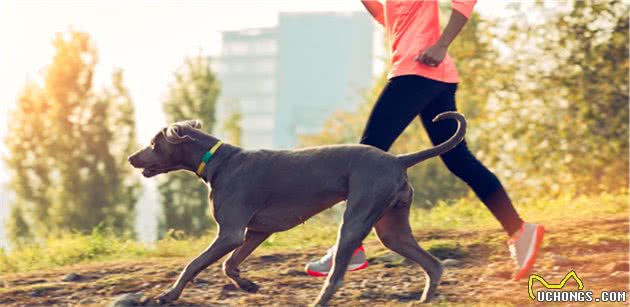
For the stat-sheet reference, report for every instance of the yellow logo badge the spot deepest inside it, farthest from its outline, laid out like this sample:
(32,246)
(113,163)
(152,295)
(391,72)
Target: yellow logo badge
(553,286)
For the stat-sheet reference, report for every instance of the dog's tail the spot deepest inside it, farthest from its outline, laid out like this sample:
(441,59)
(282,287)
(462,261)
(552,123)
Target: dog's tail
(411,159)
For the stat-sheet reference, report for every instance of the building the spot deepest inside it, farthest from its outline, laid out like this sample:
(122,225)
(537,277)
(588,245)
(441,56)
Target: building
(247,71)
(287,80)
(324,64)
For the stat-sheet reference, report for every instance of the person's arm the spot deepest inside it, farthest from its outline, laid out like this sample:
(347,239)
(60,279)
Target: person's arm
(434,55)
(375,8)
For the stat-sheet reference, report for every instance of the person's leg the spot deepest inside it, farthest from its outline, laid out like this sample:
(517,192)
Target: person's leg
(525,238)
(398,104)
(461,162)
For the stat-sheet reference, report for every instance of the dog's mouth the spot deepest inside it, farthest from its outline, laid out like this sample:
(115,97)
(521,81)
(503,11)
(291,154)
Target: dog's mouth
(150,172)
(153,170)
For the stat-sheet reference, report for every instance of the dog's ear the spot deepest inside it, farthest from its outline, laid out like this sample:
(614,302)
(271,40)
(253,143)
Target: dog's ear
(175,133)
(195,123)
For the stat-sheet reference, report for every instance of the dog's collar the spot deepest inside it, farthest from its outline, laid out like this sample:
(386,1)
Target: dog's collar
(206,157)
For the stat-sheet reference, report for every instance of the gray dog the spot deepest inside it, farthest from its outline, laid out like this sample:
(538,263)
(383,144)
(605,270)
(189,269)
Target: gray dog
(258,192)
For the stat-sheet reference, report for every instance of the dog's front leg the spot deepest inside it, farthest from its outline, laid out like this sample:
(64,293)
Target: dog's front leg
(225,242)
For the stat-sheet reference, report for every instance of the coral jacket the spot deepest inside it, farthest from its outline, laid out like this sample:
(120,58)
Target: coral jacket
(413,26)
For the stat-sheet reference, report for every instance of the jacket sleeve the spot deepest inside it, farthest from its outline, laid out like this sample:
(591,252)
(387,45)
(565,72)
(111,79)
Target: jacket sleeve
(465,7)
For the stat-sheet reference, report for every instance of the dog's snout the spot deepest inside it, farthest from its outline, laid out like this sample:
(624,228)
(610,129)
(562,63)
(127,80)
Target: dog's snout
(133,160)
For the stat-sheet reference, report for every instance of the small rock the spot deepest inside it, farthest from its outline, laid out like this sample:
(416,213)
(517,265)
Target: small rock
(451,262)
(171,274)
(392,257)
(617,266)
(87,301)
(368,294)
(72,277)
(128,299)
(293,272)
(501,274)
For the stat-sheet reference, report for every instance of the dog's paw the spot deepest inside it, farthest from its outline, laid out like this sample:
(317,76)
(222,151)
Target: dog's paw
(167,296)
(248,286)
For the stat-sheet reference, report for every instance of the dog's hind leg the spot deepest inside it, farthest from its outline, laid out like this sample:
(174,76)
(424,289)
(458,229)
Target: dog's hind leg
(395,233)
(230,266)
(361,213)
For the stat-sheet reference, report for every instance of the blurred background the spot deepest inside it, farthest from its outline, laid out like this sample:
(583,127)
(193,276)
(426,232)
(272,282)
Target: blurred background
(86,83)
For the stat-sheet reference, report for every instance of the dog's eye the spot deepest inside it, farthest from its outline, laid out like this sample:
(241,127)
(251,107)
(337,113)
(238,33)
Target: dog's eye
(152,144)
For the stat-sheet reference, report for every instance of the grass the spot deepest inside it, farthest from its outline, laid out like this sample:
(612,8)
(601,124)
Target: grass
(320,231)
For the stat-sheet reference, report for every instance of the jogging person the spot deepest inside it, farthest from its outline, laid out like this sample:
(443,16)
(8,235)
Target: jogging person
(422,82)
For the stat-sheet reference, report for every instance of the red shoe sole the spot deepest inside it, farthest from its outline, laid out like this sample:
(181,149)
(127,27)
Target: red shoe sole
(322,274)
(540,233)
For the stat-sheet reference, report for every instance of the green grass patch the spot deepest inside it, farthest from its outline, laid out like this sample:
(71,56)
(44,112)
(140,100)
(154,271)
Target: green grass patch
(321,231)
(447,249)
(470,213)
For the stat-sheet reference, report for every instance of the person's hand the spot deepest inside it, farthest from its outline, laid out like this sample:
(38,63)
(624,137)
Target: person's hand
(432,56)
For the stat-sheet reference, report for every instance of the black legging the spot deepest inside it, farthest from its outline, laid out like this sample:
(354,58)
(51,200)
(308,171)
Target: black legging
(405,97)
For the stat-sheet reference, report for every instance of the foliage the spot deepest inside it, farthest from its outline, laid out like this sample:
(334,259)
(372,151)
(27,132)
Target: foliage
(184,199)
(561,122)
(232,127)
(67,148)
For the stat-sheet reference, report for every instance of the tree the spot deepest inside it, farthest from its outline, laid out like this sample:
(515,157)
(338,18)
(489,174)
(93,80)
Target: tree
(68,147)
(232,126)
(563,118)
(184,199)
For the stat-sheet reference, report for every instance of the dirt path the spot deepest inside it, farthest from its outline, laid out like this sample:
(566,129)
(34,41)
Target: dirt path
(480,276)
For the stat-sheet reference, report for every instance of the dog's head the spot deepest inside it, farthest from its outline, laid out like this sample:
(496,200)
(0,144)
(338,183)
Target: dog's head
(167,150)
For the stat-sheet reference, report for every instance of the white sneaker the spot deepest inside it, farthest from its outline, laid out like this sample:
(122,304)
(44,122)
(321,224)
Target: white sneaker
(524,246)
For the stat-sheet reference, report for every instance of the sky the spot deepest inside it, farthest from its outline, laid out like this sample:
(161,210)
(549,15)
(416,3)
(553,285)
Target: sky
(147,39)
